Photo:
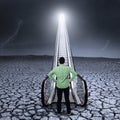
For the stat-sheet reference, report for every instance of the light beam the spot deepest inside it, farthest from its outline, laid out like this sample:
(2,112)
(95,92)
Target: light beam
(61,18)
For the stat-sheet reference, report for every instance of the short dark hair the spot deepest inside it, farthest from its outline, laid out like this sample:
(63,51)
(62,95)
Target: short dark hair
(62,60)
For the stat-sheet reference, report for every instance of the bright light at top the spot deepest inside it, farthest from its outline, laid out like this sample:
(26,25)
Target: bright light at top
(61,18)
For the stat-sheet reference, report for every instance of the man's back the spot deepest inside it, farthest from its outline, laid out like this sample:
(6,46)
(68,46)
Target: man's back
(62,72)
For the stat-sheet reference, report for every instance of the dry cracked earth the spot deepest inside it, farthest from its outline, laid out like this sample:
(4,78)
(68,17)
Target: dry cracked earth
(20,89)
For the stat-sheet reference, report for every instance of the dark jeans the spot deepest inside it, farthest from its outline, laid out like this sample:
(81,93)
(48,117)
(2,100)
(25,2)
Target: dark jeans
(59,98)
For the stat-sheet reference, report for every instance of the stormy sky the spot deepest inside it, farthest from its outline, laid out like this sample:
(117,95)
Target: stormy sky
(30,27)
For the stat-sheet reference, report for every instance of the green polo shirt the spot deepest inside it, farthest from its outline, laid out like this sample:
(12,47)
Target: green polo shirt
(60,75)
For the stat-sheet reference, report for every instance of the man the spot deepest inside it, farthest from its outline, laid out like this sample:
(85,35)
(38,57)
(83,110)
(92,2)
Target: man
(61,75)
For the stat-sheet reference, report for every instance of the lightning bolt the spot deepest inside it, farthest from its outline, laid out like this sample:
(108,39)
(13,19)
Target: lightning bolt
(11,38)
(106,45)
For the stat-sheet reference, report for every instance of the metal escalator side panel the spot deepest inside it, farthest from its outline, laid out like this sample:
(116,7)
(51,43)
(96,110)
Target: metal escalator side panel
(82,90)
(74,92)
(45,91)
(52,95)
(56,52)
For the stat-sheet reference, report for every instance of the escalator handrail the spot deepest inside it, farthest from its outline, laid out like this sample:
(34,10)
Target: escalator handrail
(86,90)
(78,75)
(42,92)
(44,80)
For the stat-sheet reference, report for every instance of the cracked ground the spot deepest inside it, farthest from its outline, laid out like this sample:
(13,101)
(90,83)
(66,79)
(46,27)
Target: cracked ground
(20,89)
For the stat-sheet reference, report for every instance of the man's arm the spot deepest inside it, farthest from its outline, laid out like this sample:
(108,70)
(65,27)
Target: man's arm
(74,74)
(50,75)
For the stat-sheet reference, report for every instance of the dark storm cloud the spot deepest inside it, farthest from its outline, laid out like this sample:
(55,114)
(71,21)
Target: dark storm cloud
(93,25)
(32,13)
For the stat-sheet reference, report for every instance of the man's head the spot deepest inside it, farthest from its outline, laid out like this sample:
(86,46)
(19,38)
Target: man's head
(62,60)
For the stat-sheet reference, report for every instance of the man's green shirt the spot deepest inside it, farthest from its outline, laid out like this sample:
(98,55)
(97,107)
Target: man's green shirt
(60,75)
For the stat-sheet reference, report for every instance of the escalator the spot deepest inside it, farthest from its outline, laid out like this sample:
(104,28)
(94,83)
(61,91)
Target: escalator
(78,87)
(78,93)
